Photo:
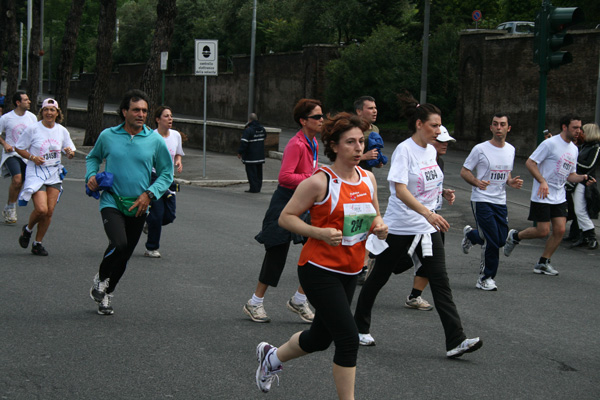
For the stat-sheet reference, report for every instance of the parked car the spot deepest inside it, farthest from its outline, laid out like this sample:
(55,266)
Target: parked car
(517,27)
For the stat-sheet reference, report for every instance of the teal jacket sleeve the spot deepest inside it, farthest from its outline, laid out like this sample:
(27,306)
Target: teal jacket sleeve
(94,158)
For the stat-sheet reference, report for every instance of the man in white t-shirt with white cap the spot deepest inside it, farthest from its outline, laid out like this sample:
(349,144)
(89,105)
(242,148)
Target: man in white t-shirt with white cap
(492,162)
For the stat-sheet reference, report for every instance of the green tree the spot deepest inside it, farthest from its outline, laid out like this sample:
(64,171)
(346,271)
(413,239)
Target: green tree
(381,66)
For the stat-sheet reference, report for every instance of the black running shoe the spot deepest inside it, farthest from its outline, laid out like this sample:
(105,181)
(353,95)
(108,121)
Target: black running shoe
(38,250)
(25,237)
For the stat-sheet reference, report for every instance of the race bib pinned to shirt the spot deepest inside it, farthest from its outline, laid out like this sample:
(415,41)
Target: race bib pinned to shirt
(358,218)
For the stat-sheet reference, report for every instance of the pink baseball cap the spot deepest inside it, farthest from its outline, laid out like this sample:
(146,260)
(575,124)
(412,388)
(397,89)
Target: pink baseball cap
(50,103)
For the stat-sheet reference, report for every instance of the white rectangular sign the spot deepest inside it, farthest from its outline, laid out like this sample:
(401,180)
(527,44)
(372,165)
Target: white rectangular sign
(207,57)
(164,57)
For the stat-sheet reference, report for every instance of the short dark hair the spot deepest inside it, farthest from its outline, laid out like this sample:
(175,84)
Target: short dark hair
(158,112)
(335,126)
(502,115)
(360,102)
(566,120)
(17,96)
(414,111)
(303,108)
(131,95)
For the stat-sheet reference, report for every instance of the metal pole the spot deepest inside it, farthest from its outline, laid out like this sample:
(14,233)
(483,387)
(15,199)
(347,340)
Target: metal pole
(41,79)
(20,74)
(163,89)
(50,68)
(252,58)
(543,72)
(598,96)
(425,61)
(204,133)
(29,22)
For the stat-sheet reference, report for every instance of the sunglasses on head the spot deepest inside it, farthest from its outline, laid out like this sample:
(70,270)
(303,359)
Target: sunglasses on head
(316,117)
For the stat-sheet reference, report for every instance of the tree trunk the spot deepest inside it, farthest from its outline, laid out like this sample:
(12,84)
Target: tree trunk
(106,37)
(67,56)
(33,75)
(12,37)
(166,11)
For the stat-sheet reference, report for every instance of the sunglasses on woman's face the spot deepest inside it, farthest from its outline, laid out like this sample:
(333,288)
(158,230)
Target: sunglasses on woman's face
(316,116)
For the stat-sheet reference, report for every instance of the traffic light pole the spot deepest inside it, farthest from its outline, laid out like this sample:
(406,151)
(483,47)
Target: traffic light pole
(543,54)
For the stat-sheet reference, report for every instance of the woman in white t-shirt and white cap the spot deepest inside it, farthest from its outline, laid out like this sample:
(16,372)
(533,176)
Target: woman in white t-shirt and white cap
(42,144)
(415,180)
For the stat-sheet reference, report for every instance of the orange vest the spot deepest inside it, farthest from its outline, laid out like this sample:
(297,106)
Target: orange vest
(349,208)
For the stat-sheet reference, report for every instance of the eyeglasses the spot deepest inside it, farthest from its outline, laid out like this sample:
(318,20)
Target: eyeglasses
(316,117)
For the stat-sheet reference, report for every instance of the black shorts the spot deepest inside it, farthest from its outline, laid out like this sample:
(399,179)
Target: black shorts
(544,212)
(15,165)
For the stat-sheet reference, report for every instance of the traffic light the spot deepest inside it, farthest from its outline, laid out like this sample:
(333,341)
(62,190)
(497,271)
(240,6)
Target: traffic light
(550,35)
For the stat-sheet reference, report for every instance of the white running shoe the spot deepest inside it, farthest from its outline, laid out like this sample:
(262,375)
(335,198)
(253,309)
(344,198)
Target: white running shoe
(152,253)
(265,374)
(10,215)
(466,244)
(467,346)
(365,339)
(486,284)
(545,269)
(510,244)
(303,310)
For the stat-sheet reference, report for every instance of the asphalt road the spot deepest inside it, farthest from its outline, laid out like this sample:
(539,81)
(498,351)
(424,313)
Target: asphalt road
(179,332)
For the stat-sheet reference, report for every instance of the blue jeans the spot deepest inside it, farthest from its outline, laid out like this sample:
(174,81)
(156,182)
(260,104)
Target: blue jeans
(492,228)
(162,212)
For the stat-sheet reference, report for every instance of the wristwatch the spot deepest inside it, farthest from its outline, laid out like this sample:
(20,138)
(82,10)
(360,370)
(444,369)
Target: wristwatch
(150,194)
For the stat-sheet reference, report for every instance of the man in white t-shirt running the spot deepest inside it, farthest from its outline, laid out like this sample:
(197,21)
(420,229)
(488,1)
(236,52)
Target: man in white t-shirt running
(492,162)
(552,164)
(13,124)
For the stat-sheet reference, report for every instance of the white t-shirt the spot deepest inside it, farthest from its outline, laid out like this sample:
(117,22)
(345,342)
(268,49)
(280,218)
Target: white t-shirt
(492,164)
(13,126)
(556,160)
(173,142)
(417,168)
(48,143)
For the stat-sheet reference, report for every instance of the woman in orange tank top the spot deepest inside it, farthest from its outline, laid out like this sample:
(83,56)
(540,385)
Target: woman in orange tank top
(342,200)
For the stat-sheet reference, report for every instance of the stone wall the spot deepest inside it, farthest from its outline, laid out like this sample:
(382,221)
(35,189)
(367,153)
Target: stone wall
(280,79)
(497,73)
(221,137)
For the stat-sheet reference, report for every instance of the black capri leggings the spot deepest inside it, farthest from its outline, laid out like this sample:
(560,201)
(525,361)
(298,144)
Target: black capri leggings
(123,235)
(330,294)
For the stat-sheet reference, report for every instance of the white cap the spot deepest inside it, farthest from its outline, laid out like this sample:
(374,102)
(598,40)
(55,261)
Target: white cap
(444,136)
(50,103)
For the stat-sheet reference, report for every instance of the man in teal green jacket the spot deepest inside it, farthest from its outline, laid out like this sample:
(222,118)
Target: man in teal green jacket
(131,151)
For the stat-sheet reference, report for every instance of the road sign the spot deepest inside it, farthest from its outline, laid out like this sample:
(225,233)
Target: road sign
(207,57)
(476,15)
(164,57)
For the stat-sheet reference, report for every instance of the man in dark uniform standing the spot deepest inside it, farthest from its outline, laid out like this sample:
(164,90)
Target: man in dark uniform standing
(252,152)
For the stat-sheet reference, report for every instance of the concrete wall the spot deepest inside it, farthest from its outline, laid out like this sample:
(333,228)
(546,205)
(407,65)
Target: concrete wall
(497,73)
(221,137)
(280,79)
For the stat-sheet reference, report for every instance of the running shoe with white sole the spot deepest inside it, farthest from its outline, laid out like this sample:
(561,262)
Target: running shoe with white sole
(10,215)
(104,307)
(466,244)
(486,284)
(418,303)
(365,339)
(152,253)
(256,313)
(511,243)
(265,374)
(98,289)
(303,310)
(545,269)
(467,346)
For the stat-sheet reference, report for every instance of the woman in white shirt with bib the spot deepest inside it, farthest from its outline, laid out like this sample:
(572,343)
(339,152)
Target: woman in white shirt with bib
(415,181)
(42,144)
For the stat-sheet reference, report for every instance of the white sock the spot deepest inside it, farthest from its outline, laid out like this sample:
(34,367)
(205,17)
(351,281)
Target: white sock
(255,300)
(299,298)
(36,242)
(27,229)
(10,205)
(274,361)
